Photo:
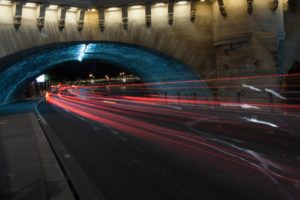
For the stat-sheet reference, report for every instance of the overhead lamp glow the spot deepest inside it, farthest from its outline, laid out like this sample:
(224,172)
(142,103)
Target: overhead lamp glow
(30,5)
(159,4)
(136,7)
(182,2)
(5,2)
(113,9)
(41,78)
(53,7)
(73,9)
(82,52)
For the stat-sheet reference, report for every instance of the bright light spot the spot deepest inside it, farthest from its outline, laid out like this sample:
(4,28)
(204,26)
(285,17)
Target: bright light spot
(73,9)
(247,106)
(30,5)
(275,93)
(124,80)
(229,104)
(93,10)
(53,7)
(41,78)
(82,52)
(136,7)
(113,9)
(5,2)
(91,75)
(251,88)
(260,122)
(110,102)
(47,96)
(159,4)
(182,2)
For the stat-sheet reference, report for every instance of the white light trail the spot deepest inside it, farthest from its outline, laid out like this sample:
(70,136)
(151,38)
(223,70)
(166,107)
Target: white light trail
(275,93)
(251,88)
(260,122)
(247,106)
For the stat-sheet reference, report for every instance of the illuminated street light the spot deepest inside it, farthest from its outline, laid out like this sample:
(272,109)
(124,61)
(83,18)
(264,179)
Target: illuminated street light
(183,2)
(159,4)
(30,5)
(136,7)
(73,9)
(113,9)
(41,78)
(53,7)
(5,2)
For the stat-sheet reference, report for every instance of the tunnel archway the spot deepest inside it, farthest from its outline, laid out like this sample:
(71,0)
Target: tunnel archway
(149,65)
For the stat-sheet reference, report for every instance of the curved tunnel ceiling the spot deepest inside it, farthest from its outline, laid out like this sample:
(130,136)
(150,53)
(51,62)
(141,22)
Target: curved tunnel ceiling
(149,65)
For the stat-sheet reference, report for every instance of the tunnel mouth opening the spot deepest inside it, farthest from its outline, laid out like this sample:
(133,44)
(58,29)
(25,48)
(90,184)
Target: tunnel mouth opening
(93,75)
(164,75)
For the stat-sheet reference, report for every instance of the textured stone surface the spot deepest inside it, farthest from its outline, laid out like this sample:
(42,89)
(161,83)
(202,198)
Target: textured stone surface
(187,41)
(149,65)
(263,42)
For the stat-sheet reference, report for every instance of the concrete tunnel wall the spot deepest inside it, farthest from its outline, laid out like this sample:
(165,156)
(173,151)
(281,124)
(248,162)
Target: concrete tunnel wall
(190,42)
(213,45)
(149,65)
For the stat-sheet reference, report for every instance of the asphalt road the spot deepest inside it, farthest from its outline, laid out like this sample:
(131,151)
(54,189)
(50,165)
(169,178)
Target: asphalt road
(136,148)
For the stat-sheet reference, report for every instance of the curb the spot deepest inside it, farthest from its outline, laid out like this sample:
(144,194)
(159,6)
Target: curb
(79,182)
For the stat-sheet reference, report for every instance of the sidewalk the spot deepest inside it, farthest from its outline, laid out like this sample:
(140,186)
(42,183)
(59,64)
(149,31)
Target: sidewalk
(28,167)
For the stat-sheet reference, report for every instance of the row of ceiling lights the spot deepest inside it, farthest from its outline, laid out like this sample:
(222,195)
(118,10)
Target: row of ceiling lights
(74,9)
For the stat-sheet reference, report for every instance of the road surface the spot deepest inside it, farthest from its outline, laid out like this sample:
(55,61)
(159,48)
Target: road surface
(148,148)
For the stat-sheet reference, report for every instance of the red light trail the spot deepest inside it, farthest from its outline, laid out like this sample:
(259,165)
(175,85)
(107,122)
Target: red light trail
(146,118)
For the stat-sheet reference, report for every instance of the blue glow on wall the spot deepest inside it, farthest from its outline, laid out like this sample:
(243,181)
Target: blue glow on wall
(149,65)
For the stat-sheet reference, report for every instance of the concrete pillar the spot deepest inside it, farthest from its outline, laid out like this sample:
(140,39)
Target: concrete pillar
(193,11)
(148,14)
(17,14)
(170,12)
(80,21)
(101,19)
(125,16)
(62,17)
(41,12)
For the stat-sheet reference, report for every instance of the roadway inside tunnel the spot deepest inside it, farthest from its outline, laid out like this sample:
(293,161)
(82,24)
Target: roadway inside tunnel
(150,146)
(145,128)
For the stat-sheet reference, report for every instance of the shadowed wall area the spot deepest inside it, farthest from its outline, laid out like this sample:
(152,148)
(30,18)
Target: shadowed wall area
(149,65)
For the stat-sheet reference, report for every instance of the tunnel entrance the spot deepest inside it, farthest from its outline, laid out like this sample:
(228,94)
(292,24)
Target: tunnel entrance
(88,73)
(149,65)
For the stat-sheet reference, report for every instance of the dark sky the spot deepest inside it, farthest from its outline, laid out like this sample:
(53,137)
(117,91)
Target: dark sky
(73,70)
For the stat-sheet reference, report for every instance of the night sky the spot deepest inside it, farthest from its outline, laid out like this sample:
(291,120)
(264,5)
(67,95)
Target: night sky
(74,70)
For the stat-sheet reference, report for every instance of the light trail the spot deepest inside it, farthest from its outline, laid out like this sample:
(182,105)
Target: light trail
(147,118)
